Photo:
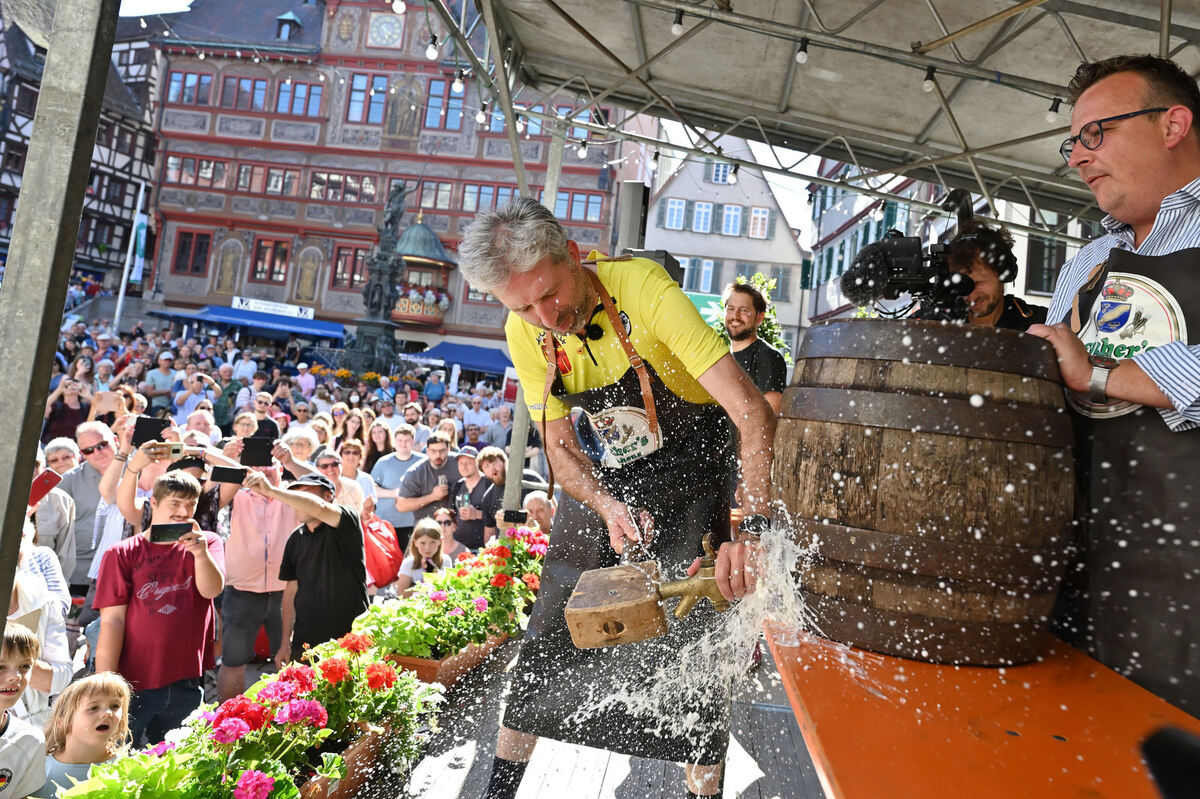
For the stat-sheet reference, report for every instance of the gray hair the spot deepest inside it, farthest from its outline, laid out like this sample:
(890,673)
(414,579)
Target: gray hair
(61,443)
(509,240)
(301,434)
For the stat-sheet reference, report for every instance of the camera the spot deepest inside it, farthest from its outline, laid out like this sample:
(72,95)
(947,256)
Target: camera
(896,265)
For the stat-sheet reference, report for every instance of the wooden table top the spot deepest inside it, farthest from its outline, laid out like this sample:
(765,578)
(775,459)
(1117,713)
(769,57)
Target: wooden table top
(880,727)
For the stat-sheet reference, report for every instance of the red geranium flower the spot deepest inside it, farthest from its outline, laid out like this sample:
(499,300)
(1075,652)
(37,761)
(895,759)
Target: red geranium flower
(500,563)
(354,642)
(244,708)
(300,676)
(380,675)
(462,573)
(501,580)
(532,580)
(464,556)
(499,551)
(334,670)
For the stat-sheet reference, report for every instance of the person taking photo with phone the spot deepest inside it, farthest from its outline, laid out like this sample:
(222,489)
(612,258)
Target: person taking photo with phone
(154,587)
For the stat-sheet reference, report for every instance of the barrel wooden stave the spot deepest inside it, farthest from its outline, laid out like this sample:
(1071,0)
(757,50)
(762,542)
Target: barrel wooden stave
(939,452)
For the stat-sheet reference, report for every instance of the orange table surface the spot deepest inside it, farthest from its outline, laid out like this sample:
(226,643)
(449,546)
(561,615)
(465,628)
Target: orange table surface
(880,727)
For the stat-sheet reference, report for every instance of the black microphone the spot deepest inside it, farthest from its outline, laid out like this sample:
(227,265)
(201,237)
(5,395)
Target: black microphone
(864,282)
(593,332)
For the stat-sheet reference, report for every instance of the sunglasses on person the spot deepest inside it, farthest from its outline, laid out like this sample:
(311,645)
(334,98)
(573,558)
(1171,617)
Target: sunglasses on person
(329,465)
(1091,135)
(103,445)
(339,413)
(446,522)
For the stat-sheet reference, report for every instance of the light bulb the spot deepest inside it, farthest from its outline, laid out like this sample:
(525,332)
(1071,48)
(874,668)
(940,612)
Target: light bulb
(237,53)
(256,59)
(481,115)
(1052,113)
(457,85)
(582,151)
(677,25)
(927,84)
(288,80)
(321,77)
(520,124)
(398,7)
(201,56)
(732,179)
(431,52)
(142,22)
(802,53)
(653,165)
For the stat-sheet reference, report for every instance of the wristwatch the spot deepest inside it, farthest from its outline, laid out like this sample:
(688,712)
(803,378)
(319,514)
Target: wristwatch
(1101,368)
(754,525)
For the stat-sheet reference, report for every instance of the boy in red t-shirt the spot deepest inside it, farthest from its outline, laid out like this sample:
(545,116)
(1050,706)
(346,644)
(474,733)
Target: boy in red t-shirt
(156,611)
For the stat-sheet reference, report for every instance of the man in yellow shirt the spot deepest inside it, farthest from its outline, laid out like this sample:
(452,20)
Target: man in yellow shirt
(619,339)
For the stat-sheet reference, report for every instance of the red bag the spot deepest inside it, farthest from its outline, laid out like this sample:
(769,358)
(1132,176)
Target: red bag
(384,557)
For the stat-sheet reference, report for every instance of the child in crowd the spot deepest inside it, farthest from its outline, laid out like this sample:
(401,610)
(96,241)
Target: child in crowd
(89,724)
(424,555)
(22,759)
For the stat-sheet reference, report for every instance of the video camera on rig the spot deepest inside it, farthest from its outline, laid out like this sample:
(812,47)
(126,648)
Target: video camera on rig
(895,265)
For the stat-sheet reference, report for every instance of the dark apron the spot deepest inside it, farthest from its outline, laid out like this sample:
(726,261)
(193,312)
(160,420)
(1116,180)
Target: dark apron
(1132,599)
(683,485)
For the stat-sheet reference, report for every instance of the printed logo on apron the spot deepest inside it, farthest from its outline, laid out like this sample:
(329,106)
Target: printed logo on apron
(1132,315)
(624,432)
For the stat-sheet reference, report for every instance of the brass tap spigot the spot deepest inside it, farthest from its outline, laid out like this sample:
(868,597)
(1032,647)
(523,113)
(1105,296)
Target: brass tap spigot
(701,584)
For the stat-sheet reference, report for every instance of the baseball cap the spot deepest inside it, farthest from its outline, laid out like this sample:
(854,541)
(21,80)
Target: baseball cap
(313,480)
(301,366)
(166,354)
(104,337)
(467,451)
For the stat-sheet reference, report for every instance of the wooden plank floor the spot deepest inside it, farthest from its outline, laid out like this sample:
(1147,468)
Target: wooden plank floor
(767,758)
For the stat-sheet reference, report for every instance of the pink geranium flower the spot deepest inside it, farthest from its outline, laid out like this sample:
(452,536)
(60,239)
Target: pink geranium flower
(481,604)
(159,749)
(439,596)
(277,692)
(299,711)
(455,612)
(254,785)
(229,730)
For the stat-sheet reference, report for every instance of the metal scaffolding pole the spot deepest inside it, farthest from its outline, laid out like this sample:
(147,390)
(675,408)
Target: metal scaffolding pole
(918,47)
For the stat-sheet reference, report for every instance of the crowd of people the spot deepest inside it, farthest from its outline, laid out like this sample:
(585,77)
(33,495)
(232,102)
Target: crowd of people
(204,494)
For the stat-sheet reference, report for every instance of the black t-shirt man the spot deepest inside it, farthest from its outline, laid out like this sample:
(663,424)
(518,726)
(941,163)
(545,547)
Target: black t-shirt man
(470,531)
(330,570)
(764,364)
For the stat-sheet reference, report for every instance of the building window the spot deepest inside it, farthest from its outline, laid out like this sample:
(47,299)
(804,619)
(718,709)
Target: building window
(702,217)
(191,254)
(783,279)
(299,99)
(731,221)
(342,187)
(1044,257)
(271,260)
(189,171)
(124,141)
(720,173)
(435,194)
(14,157)
(444,106)
(189,88)
(496,122)
(287,30)
(26,102)
(745,270)
(244,94)
(585,116)
(758,222)
(367,96)
(474,295)
(349,268)
(533,125)
(675,209)
(114,192)
(482,197)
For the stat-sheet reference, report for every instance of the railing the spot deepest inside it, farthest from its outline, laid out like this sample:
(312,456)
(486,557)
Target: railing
(419,311)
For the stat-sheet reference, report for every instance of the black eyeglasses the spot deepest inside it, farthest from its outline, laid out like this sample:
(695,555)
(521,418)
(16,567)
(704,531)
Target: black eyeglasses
(103,445)
(446,522)
(1091,135)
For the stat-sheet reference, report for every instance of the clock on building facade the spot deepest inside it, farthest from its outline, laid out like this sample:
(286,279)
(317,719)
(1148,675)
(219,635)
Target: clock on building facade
(385,30)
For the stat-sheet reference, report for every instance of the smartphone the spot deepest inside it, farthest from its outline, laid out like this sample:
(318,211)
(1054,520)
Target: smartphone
(257,451)
(148,428)
(228,474)
(42,485)
(515,517)
(168,533)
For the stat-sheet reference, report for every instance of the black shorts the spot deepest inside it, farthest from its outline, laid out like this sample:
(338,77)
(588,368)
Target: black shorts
(243,613)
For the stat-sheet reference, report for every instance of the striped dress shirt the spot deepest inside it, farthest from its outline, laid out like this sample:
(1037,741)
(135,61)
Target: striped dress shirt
(1174,367)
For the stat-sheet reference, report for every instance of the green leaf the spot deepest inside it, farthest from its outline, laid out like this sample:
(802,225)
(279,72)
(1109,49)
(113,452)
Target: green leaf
(332,766)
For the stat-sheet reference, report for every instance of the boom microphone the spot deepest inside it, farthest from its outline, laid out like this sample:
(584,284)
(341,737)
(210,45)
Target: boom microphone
(866,279)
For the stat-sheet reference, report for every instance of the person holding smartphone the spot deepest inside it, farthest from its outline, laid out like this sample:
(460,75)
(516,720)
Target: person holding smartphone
(154,587)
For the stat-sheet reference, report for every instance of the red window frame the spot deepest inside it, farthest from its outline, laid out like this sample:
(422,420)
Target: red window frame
(356,278)
(252,97)
(186,242)
(274,267)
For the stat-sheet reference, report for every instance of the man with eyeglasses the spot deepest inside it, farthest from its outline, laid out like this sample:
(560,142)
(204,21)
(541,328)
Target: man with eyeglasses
(427,484)
(1119,326)
(82,483)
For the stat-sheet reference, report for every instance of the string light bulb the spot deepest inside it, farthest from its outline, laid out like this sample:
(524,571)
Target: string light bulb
(481,115)
(431,52)
(927,84)
(802,53)
(398,7)
(256,59)
(582,151)
(457,85)
(1052,113)
(733,178)
(200,56)
(520,123)
(677,25)
(142,22)
(653,165)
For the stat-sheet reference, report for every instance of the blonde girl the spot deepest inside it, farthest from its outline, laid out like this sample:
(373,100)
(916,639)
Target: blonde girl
(424,554)
(88,724)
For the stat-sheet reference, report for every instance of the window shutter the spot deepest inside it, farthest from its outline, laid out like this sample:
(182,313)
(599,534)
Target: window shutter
(745,220)
(889,215)
(717,285)
(708,165)
(662,213)
(718,218)
(689,209)
(771,224)
(806,274)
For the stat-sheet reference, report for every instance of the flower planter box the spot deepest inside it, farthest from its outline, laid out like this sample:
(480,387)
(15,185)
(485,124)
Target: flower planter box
(448,670)
(361,760)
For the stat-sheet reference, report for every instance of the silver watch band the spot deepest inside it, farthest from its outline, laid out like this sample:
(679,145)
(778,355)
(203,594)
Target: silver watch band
(1098,385)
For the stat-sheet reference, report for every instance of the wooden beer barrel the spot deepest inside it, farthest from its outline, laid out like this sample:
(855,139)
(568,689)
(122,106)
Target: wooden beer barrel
(932,464)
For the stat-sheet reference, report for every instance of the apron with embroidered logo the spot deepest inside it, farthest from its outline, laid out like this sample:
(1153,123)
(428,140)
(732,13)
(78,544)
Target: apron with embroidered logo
(1132,599)
(678,466)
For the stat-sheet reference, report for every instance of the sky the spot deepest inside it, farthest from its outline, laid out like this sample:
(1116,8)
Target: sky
(140,8)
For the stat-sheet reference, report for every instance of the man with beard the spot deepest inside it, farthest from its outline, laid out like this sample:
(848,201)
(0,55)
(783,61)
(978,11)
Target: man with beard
(985,255)
(745,307)
(427,484)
